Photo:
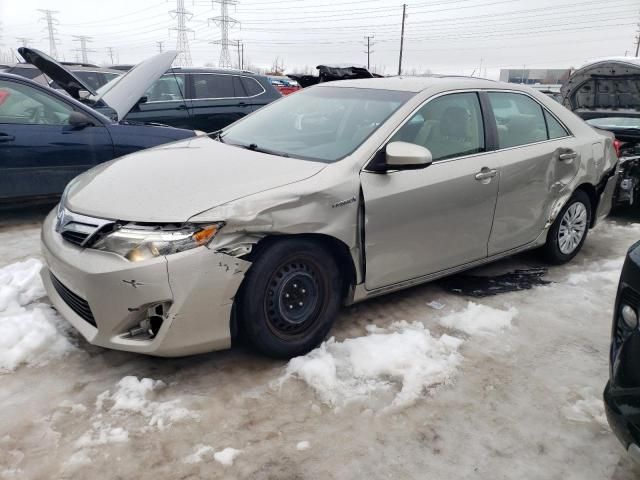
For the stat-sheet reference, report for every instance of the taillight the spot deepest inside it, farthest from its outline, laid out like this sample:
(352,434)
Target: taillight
(617,144)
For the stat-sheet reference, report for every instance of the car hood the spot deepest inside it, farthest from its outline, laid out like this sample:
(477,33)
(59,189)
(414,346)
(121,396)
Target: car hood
(604,88)
(121,94)
(67,80)
(176,181)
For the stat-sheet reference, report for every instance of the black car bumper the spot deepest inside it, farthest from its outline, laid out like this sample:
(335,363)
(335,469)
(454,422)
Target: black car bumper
(622,393)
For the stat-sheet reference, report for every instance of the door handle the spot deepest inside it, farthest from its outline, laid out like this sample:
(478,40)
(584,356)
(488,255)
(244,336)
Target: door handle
(486,174)
(181,107)
(6,138)
(242,104)
(568,156)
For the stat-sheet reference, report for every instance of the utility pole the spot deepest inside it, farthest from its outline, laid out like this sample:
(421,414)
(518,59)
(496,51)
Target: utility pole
(369,52)
(51,30)
(83,39)
(225,22)
(159,44)
(638,40)
(242,57)
(404,15)
(24,41)
(238,43)
(182,16)
(110,50)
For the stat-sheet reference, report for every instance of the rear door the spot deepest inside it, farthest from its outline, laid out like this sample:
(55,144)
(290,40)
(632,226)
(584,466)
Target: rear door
(39,151)
(216,100)
(537,158)
(165,103)
(420,222)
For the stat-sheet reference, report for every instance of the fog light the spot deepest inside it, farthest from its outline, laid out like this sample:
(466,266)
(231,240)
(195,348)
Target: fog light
(630,317)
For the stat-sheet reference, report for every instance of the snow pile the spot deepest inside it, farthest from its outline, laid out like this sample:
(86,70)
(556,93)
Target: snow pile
(587,409)
(226,456)
(304,445)
(403,358)
(607,270)
(477,319)
(102,434)
(199,454)
(28,333)
(135,396)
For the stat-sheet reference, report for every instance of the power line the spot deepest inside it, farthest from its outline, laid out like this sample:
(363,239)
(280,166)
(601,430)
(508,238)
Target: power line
(182,16)
(24,41)
(224,21)
(51,30)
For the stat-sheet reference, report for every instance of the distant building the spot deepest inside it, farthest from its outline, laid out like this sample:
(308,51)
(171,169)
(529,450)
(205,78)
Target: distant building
(543,76)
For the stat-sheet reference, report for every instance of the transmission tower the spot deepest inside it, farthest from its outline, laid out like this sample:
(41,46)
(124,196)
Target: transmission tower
(182,16)
(24,41)
(51,30)
(225,22)
(83,39)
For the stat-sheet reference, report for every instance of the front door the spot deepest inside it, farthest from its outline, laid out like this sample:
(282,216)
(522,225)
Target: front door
(165,103)
(419,222)
(39,151)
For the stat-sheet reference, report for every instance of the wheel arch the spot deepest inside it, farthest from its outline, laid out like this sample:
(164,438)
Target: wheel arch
(591,192)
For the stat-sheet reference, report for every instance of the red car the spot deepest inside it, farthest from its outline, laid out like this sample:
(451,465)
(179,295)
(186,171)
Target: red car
(285,85)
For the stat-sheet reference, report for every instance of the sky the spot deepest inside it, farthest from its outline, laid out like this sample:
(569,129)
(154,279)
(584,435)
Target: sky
(441,36)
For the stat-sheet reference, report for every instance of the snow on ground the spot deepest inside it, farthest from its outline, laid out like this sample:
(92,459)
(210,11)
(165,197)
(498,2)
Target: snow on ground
(478,319)
(30,332)
(587,408)
(199,455)
(136,396)
(403,357)
(303,445)
(227,456)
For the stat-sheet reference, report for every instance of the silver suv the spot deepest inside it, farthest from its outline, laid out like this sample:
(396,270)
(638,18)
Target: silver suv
(332,195)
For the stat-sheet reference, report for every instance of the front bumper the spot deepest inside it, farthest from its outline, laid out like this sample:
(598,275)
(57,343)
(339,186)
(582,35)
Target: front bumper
(622,417)
(198,287)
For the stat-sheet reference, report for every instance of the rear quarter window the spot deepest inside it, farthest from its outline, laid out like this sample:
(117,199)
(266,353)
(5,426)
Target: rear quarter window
(251,86)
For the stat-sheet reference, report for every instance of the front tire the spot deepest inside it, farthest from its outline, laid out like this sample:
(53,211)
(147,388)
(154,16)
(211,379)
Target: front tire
(289,298)
(569,231)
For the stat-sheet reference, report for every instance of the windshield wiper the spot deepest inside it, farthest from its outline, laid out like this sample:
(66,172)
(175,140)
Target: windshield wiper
(255,148)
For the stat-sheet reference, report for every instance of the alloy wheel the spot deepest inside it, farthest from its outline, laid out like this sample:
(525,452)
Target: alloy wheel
(573,227)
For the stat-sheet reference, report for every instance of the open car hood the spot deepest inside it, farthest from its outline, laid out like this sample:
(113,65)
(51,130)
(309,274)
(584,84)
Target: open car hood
(121,94)
(604,88)
(57,72)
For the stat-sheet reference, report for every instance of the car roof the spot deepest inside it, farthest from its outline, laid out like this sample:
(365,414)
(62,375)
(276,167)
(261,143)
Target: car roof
(214,70)
(419,83)
(71,66)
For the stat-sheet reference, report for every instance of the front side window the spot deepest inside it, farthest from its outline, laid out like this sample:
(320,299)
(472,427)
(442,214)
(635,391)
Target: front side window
(520,120)
(22,104)
(217,86)
(320,123)
(449,126)
(167,88)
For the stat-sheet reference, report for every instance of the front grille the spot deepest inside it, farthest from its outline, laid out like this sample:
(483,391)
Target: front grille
(77,238)
(76,303)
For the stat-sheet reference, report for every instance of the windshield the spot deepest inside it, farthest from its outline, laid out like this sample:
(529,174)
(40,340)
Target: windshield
(323,123)
(615,122)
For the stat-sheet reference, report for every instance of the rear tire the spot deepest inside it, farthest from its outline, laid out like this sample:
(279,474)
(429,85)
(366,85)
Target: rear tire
(569,231)
(289,298)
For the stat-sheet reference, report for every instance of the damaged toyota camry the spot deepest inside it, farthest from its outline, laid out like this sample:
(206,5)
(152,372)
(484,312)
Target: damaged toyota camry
(339,193)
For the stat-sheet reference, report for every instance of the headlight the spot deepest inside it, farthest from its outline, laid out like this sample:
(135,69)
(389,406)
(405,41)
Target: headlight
(137,242)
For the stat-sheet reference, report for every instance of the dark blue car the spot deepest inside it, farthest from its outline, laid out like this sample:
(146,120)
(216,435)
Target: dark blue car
(47,138)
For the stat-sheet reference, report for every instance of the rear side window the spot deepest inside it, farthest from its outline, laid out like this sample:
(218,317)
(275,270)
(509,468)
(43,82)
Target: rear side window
(251,86)
(520,120)
(449,126)
(555,129)
(216,86)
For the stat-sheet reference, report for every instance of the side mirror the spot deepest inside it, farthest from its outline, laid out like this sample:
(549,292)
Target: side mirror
(80,120)
(407,156)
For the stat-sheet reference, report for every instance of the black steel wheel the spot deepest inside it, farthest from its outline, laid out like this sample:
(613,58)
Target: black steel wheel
(289,298)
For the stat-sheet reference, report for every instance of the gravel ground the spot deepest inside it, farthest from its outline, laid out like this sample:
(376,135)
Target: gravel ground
(507,387)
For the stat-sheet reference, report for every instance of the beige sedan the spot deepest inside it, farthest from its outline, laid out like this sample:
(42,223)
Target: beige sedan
(336,194)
